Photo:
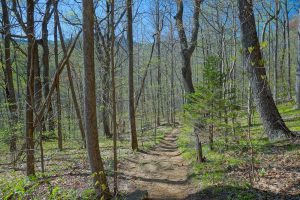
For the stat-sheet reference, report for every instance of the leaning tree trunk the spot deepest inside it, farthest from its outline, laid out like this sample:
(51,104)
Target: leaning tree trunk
(72,88)
(90,116)
(298,70)
(265,105)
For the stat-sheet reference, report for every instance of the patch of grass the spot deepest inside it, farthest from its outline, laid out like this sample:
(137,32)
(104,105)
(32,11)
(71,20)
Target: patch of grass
(236,152)
(72,160)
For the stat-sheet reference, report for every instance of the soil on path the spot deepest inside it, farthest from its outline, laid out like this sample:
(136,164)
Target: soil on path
(161,171)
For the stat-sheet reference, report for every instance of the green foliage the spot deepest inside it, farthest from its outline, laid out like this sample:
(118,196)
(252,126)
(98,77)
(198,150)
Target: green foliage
(210,104)
(17,188)
(230,155)
(207,100)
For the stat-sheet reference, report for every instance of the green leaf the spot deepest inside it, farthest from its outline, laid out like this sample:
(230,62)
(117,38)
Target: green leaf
(251,49)
(264,44)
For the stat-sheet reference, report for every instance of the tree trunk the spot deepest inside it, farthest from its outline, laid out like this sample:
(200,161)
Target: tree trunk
(90,117)
(30,171)
(276,53)
(105,99)
(37,82)
(186,54)
(8,78)
(288,43)
(272,121)
(134,142)
(298,70)
(38,95)
(45,60)
(158,42)
(114,103)
(58,100)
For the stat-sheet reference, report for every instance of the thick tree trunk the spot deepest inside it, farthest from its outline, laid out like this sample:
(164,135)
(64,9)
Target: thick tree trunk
(134,142)
(298,70)
(186,50)
(30,88)
(8,78)
(90,116)
(272,121)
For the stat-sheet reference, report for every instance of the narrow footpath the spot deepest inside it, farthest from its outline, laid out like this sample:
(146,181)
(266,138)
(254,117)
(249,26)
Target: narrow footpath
(161,171)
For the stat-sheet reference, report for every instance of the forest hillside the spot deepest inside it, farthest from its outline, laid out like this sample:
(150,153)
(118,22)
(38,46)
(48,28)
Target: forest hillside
(139,99)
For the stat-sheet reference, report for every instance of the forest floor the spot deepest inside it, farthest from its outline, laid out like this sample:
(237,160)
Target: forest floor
(161,171)
(227,172)
(168,169)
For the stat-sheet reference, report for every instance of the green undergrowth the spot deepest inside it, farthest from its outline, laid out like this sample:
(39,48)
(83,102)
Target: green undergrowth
(234,155)
(55,182)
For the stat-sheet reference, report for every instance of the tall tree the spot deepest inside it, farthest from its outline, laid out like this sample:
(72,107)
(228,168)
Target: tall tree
(8,77)
(58,99)
(103,43)
(45,61)
(288,42)
(134,142)
(265,105)
(158,27)
(113,84)
(186,54)
(90,116)
(276,51)
(30,88)
(298,69)
(186,49)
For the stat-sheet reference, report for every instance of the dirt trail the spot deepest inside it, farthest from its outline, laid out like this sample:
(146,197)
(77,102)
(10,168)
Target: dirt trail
(161,171)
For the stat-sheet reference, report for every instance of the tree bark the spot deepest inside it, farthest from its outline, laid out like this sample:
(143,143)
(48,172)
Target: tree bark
(134,142)
(45,60)
(158,44)
(58,100)
(8,78)
(186,54)
(265,105)
(105,99)
(288,42)
(276,52)
(298,70)
(90,116)
(103,49)
(186,50)
(114,103)
(30,171)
